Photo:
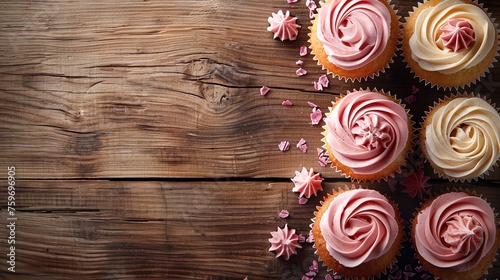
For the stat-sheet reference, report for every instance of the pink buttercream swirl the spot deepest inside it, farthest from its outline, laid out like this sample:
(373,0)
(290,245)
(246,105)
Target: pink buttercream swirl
(358,226)
(353,33)
(283,26)
(367,131)
(307,183)
(455,231)
(457,34)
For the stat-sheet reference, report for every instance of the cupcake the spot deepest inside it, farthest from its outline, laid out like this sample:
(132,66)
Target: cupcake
(449,43)
(460,137)
(367,135)
(355,39)
(357,233)
(456,236)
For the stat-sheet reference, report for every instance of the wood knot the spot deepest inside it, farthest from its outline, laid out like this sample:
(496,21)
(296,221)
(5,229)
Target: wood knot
(210,71)
(87,143)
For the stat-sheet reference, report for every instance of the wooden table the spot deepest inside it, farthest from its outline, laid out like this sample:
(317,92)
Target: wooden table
(143,149)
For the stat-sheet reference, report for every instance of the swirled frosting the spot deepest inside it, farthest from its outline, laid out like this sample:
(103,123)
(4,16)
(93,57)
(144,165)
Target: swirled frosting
(283,26)
(353,33)
(463,137)
(455,231)
(367,131)
(306,182)
(428,48)
(457,34)
(358,226)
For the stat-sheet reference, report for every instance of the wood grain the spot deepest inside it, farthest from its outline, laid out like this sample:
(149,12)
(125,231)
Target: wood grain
(171,230)
(162,89)
(144,150)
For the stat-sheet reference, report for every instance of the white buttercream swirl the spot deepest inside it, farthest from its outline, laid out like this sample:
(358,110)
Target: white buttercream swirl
(463,137)
(427,48)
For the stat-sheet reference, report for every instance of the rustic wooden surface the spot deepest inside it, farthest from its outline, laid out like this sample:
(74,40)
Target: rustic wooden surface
(143,148)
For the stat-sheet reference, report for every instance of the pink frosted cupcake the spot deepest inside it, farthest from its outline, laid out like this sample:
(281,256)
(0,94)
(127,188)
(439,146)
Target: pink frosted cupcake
(456,236)
(368,135)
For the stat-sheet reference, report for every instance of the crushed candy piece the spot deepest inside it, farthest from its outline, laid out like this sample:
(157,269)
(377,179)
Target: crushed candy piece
(284,214)
(323,80)
(284,146)
(287,103)
(414,89)
(410,99)
(316,116)
(302,238)
(314,266)
(310,237)
(302,145)
(299,62)
(291,1)
(300,72)
(306,278)
(317,86)
(283,26)
(264,90)
(416,184)
(307,183)
(303,50)
(312,7)
(284,242)
(328,277)
(302,200)
(312,104)
(419,268)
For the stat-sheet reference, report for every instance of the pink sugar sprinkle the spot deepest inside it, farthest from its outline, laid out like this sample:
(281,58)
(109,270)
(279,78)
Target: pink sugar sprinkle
(310,238)
(316,116)
(302,145)
(291,1)
(317,86)
(314,266)
(284,146)
(311,274)
(328,277)
(414,89)
(323,80)
(302,238)
(312,104)
(304,277)
(303,51)
(311,4)
(246,278)
(286,103)
(264,90)
(299,62)
(300,72)
(302,200)
(410,99)
(284,214)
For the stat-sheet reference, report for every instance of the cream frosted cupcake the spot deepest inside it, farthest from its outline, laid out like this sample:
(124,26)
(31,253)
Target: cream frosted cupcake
(368,135)
(456,236)
(357,232)
(449,43)
(354,40)
(460,137)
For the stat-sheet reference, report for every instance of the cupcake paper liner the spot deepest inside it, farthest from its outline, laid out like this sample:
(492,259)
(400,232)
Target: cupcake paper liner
(362,177)
(456,87)
(427,202)
(403,237)
(362,77)
(421,137)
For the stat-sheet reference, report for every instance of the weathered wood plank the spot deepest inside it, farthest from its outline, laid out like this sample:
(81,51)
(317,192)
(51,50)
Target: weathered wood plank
(171,230)
(165,89)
